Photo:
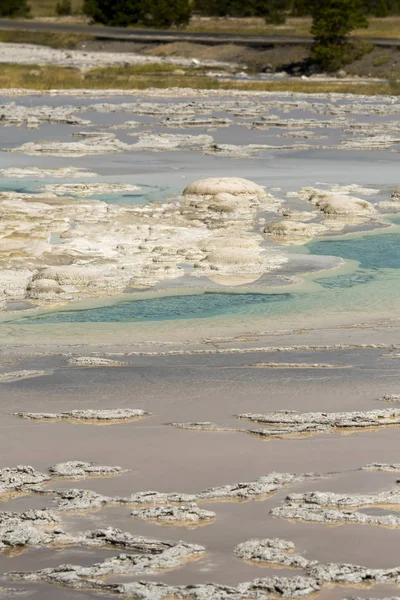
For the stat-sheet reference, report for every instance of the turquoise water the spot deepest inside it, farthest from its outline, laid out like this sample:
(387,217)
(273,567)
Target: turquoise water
(146,194)
(346,281)
(160,309)
(371,251)
(374,283)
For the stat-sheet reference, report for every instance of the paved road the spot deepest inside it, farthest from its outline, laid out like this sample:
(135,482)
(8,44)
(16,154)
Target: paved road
(153,36)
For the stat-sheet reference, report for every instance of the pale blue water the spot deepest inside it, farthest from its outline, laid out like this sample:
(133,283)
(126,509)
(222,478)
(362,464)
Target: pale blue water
(375,280)
(146,194)
(371,251)
(167,308)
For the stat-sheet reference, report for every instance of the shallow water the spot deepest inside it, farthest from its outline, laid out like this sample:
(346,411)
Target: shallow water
(146,194)
(163,173)
(170,307)
(217,386)
(168,459)
(376,278)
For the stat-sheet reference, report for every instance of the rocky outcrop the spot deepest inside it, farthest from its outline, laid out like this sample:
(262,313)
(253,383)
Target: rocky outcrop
(77,500)
(286,423)
(22,478)
(85,190)
(331,508)
(294,232)
(111,415)
(95,361)
(263,486)
(24,374)
(35,173)
(57,248)
(189,515)
(77,469)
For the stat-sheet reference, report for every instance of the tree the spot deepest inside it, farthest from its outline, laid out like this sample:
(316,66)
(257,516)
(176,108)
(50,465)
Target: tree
(14,8)
(63,8)
(165,13)
(382,8)
(121,13)
(300,8)
(272,10)
(333,20)
(377,8)
(275,11)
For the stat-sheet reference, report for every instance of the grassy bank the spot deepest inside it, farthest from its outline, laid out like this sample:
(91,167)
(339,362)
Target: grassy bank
(388,27)
(384,28)
(43,38)
(46,8)
(164,76)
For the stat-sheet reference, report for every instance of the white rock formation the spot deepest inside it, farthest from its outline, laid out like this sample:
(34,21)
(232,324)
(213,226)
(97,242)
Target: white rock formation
(294,232)
(55,248)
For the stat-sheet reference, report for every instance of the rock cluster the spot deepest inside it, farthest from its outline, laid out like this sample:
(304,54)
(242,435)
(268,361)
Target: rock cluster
(330,508)
(32,116)
(285,423)
(17,375)
(185,514)
(294,231)
(77,469)
(280,552)
(382,467)
(75,576)
(77,500)
(148,502)
(35,172)
(22,478)
(85,190)
(102,248)
(111,415)
(95,361)
(24,529)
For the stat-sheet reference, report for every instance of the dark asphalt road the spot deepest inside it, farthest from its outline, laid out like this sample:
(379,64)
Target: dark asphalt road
(155,36)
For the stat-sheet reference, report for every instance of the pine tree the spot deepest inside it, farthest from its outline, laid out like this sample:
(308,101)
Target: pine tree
(333,20)
(121,13)
(272,10)
(377,8)
(275,11)
(301,8)
(165,13)
(14,8)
